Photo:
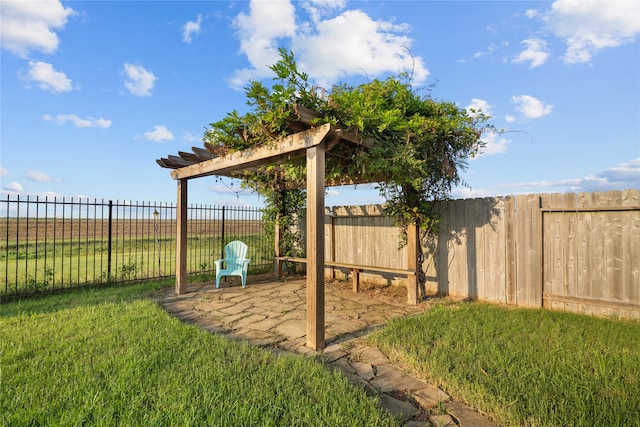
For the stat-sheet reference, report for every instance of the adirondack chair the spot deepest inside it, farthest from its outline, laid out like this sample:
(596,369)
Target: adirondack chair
(234,262)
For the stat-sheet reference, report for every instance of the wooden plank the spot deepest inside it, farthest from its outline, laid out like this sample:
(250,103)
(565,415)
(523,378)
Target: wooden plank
(457,261)
(413,240)
(277,241)
(528,242)
(510,251)
(551,238)
(202,153)
(350,266)
(570,251)
(598,272)
(485,258)
(498,249)
(442,250)
(614,306)
(631,247)
(181,238)
(614,248)
(584,248)
(469,216)
(164,164)
(189,157)
(291,146)
(180,161)
(315,247)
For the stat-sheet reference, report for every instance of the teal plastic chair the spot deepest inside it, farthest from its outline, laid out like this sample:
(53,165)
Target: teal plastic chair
(235,262)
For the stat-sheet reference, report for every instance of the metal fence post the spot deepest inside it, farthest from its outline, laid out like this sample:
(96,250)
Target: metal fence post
(109,241)
(222,239)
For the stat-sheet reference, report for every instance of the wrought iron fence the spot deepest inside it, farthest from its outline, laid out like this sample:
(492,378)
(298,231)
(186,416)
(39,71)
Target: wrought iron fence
(56,243)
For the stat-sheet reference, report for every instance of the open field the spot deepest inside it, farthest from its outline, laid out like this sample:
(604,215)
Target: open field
(47,254)
(45,229)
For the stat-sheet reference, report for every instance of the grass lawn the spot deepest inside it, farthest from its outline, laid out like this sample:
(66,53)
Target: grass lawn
(525,367)
(112,357)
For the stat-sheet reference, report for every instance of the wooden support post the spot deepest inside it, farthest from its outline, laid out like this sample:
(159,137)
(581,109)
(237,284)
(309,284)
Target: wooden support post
(315,246)
(278,250)
(278,238)
(355,273)
(181,240)
(413,240)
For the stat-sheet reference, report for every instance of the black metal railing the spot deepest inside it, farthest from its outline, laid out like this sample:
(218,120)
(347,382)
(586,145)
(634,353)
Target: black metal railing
(56,243)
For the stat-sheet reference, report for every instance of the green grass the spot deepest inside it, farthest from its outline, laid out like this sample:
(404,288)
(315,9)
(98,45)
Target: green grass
(525,367)
(111,356)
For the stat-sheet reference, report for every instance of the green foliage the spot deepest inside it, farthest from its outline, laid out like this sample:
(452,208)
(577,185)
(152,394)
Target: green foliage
(283,210)
(420,145)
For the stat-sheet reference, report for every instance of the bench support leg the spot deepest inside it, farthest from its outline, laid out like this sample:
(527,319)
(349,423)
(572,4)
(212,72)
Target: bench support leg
(355,277)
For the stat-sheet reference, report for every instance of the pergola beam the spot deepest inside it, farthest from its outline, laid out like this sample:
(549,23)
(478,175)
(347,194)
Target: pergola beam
(289,147)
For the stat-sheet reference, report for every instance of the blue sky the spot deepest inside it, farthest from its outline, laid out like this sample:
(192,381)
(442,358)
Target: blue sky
(92,93)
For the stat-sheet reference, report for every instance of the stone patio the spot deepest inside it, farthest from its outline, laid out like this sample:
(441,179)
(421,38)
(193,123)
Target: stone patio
(272,314)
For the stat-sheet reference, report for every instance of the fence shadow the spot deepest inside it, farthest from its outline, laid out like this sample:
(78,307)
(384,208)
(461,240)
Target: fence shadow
(466,232)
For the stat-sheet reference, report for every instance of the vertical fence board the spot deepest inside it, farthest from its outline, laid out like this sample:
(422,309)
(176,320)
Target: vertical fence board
(631,245)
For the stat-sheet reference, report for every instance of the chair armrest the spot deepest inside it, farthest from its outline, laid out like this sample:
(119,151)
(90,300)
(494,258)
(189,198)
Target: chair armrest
(219,263)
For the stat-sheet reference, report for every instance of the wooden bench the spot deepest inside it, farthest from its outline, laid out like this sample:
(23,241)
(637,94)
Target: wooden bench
(354,268)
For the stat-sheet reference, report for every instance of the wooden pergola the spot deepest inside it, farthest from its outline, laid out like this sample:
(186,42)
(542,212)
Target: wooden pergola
(314,143)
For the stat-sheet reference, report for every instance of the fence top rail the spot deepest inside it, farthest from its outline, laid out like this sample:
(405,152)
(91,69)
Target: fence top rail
(593,209)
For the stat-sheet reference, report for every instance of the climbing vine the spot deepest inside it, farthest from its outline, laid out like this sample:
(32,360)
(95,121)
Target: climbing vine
(419,144)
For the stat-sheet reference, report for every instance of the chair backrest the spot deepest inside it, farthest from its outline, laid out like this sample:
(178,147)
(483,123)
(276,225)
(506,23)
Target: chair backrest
(235,249)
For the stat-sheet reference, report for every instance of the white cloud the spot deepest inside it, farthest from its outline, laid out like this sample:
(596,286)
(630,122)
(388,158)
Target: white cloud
(589,26)
(318,9)
(4,172)
(376,47)
(47,77)
(530,107)
(38,176)
(158,134)
(139,81)
(259,32)
(78,122)
(531,13)
(494,144)
(189,137)
(479,106)
(492,48)
(30,25)
(13,186)
(536,53)
(622,177)
(190,28)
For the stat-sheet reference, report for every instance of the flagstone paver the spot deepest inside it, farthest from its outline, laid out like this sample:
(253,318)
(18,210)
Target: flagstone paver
(272,314)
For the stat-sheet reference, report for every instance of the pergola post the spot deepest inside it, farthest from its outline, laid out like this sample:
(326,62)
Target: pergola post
(315,246)
(278,237)
(413,242)
(181,244)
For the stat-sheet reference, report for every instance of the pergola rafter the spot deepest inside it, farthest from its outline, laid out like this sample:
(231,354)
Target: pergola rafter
(313,144)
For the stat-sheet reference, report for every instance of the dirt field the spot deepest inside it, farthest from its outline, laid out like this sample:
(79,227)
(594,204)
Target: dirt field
(14,230)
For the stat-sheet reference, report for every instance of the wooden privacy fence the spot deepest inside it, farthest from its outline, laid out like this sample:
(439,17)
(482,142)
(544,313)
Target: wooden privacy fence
(575,252)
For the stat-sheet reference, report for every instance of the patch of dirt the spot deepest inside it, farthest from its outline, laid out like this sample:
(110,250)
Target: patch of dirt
(388,293)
